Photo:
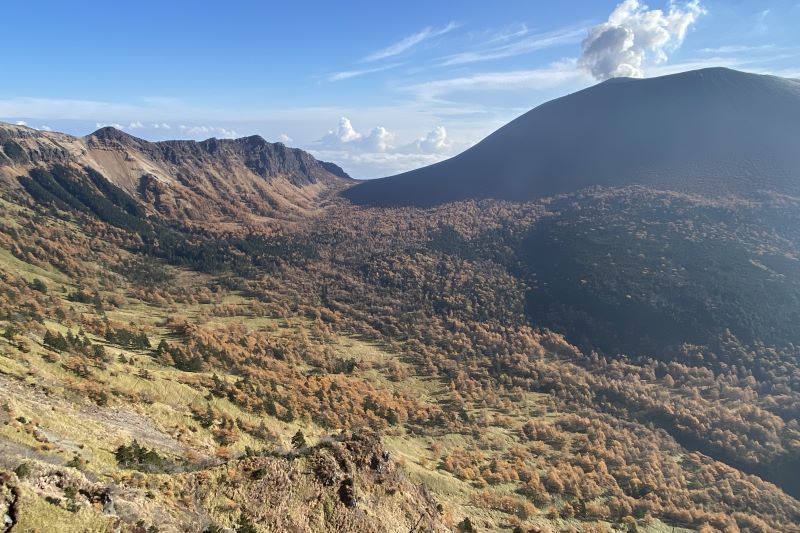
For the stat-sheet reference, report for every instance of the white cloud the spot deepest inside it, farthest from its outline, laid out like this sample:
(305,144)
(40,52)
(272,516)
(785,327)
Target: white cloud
(346,137)
(634,34)
(344,133)
(434,142)
(135,125)
(285,138)
(21,123)
(377,164)
(149,110)
(409,42)
(761,22)
(379,140)
(44,127)
(508,34)
(554,75)
(376,154)
(161,126)
(347,74)
(204,131)
(48,108)
(695,64)
(112,125)
(738,49)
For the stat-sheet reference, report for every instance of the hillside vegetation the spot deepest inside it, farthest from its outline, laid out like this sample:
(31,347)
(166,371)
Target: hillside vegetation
(374,369)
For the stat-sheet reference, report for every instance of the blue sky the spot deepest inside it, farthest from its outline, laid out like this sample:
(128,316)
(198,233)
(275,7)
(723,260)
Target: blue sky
(378,87)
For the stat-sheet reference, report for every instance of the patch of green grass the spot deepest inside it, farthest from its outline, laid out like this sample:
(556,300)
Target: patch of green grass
(36,514)
(27,271)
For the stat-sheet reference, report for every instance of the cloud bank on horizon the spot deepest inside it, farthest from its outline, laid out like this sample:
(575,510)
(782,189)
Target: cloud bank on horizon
(346,143)
(407,97)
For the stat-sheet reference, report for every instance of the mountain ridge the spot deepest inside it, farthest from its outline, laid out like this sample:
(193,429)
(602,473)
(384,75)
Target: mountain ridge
(185,179)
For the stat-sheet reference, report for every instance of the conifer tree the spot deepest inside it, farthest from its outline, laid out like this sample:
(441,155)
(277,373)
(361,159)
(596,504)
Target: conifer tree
(298,440)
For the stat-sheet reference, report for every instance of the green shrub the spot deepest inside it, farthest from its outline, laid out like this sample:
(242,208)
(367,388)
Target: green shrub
(23,470)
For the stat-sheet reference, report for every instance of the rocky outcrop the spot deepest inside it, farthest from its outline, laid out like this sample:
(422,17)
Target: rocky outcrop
(346,483)
(8,502)
(21,147)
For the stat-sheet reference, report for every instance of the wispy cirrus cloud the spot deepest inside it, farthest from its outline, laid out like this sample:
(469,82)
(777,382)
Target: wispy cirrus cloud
(521,43)
(508,34)
(347,74)
(754,64)
(760,26)
(63,108)
(738,49)
(553,75)
(407,43)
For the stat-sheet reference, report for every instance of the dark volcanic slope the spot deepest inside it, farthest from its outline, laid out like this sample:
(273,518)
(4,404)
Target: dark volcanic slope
(712,130)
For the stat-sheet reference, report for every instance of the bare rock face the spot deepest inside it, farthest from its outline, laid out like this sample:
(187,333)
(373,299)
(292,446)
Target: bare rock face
(217,180)
(8,502)
(267,159)
(21,147)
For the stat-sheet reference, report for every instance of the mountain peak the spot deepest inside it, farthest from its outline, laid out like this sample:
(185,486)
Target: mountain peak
(111,133)
(716,130)
(253,139)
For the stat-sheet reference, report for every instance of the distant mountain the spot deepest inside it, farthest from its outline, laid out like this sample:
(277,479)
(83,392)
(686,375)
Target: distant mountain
(216,179)
(713,130)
